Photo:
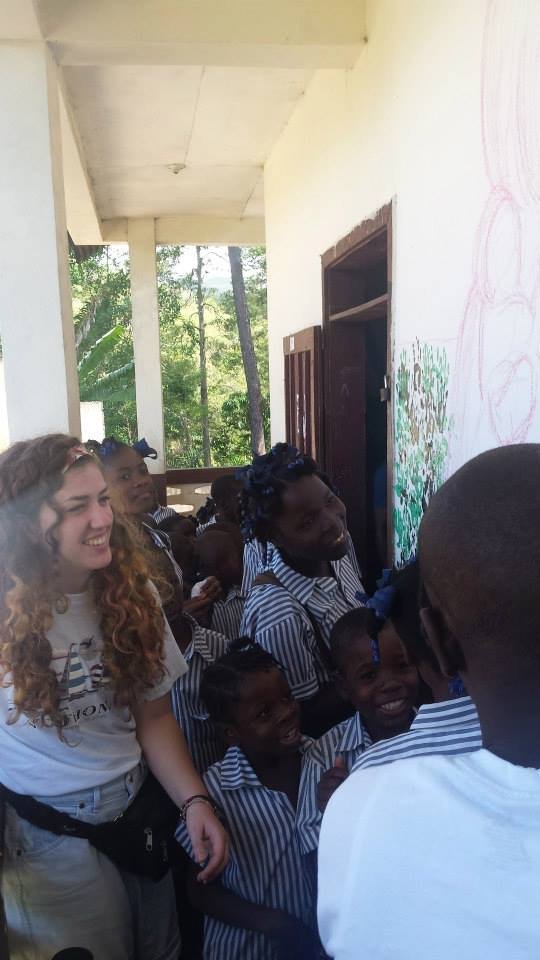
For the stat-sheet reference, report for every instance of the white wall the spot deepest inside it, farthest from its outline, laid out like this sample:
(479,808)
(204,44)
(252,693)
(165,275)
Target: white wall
(92,420)
(406,123)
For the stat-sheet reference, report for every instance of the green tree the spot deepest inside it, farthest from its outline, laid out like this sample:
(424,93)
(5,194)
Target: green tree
(102,311)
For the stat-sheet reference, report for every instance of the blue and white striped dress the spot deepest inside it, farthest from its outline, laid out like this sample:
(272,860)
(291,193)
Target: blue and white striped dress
(275,617)
(205,745)
(258,558)
(450,727)
(227,614)
(349,740)
(160,513)
(266,865)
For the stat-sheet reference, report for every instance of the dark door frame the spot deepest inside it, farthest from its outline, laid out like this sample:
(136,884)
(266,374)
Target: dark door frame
(365,232)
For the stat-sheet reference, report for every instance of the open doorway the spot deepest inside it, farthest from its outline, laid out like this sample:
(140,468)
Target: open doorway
(358,449)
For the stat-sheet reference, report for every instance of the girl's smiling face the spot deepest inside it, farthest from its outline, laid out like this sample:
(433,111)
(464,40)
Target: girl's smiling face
(384,693)
(128,474)
(312,522)
(266,721)
(80,523)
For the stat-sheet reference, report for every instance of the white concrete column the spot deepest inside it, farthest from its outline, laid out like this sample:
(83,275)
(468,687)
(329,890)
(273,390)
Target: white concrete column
(36,321)
(145,325)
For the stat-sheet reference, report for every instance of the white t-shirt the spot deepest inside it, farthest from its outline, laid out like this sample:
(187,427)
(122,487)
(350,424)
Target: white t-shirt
(433,858)
(100,741)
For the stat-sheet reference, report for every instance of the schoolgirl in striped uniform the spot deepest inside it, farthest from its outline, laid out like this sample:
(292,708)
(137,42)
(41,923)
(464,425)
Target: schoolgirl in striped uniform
(309,581)
(378,678)
(263,905)
(450,724)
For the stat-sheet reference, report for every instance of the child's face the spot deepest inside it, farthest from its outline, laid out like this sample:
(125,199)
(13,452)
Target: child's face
(384,693)
(312,523)
(266,720)
(128,474)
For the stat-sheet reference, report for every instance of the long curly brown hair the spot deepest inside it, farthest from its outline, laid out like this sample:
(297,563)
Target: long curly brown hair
(31,473)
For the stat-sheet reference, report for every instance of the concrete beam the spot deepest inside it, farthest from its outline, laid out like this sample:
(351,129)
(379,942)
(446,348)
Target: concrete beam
(18,20)
(82,218)
(289,56)
(305,33)
(203,230)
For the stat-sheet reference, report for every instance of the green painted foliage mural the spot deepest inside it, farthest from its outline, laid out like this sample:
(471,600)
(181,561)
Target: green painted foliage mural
(423,429)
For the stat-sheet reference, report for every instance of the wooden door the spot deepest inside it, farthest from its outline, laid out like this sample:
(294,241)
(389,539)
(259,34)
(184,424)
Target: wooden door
(345,402)
(302,359)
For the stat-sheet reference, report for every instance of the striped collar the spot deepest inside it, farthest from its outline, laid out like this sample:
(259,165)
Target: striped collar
(445,714)
(199,641)
(355,735)
(236,771)
(233,593)
(303,587)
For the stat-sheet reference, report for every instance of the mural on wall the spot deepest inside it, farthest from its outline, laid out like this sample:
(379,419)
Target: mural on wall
(423,430)
(498,358)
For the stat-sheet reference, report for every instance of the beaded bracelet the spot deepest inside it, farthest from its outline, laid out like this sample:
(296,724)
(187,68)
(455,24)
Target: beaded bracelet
(196,798)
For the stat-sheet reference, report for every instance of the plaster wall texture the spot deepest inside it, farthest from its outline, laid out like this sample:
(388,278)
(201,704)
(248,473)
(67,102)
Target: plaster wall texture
(441,116)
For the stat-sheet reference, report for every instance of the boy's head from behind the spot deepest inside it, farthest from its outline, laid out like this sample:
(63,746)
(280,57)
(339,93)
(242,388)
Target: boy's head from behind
(225,491)
(247,696)
(375,672)
(479,550)
(219,554)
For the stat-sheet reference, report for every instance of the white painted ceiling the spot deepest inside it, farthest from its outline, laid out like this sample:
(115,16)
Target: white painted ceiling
(136,122)
(170,108)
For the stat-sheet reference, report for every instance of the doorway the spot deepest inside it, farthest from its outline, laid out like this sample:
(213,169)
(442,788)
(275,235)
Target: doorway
(358,442)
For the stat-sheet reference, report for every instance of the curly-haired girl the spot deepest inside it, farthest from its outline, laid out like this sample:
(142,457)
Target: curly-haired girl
(309,582)
(86,665)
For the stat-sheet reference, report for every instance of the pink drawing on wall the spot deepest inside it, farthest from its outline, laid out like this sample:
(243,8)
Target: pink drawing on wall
(497,359)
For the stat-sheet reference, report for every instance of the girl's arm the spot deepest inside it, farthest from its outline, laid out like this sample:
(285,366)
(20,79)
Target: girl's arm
(165,750)
(291,937)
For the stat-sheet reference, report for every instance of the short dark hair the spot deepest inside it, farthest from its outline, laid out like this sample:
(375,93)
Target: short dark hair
(224,487)
(479,550)
(223,680)
(354,624)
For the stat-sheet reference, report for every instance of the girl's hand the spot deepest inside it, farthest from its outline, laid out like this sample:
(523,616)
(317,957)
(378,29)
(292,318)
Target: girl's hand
(212,590)
(330,781)
(209,841)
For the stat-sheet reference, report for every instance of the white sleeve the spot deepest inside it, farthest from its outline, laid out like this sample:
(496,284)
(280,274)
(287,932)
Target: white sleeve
(173,662)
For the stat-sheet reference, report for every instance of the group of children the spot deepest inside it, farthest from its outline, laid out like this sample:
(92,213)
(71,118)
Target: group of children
(290,649)
(296,681)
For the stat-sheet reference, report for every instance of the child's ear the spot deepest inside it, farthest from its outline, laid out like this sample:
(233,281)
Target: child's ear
(443,642)
(229,734)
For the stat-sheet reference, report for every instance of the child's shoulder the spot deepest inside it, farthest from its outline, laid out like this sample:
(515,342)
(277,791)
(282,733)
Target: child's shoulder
(336,740)
(270,603)
(206,643)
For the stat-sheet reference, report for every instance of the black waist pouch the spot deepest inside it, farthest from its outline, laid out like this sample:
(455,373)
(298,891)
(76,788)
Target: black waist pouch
(138,840)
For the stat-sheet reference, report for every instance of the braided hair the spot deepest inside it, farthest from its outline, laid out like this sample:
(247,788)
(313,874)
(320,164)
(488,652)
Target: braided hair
(223,680)
(109,447)
(263,484)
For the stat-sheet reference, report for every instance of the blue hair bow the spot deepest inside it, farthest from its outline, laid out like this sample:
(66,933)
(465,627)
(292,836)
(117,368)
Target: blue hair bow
(144,449)
(109,447)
